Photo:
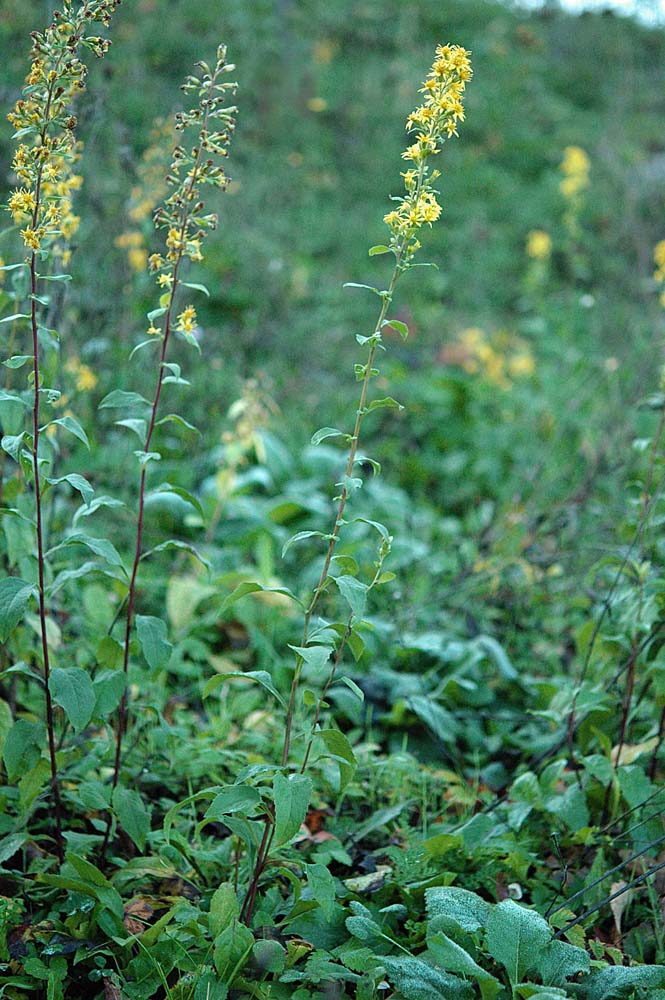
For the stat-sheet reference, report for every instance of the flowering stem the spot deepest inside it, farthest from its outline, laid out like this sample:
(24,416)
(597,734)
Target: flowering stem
(187,198)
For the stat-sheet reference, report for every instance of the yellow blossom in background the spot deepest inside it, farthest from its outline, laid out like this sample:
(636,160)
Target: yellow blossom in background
(317,104)
(539,244)
(498,359)
(85,379)
(84,375)
(324,52)
(129,240)
(659,273)
(138,258)
(575,168)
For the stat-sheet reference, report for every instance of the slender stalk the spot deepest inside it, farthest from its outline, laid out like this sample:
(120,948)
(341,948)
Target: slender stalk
(344,495)
(41,560)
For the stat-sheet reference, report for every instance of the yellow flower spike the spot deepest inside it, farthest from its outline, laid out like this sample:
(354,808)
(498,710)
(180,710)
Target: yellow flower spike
(433,123)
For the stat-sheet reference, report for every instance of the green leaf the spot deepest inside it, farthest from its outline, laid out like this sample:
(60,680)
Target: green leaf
(617,979)
(398,326)
(322,885)
(175,543)
(261,677)
(351,684)
(466,909)
(378,249)
(560,961)
(291,797)
(314,656)
(341,749)
(119,400)
(13,443)
(14,596)
(195,287)
(355,284)
(381,528)
(516,938)
(100,546)
(224,909)
(300,536)
(73,691)
(378,404)
(416,980)
(354,593)
(73,426)
(22,749)
(361,924)
(147,456)
(132,815)
(327,432)
(175,418)
(178,491)
(251,587)
(79,483)
(268,955)
(17,361)
(10,319)
(453,958)
(233,799)
(12,397)
(136,424)
(152,636)
(10,844)
(109,687)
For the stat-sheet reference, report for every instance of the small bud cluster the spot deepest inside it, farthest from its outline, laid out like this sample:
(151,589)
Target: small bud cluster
(434,122)
(183,212)
(45,126)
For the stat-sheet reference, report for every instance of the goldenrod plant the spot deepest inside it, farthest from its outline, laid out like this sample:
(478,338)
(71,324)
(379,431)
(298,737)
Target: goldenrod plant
(184,217)
(41,205)
(322,644)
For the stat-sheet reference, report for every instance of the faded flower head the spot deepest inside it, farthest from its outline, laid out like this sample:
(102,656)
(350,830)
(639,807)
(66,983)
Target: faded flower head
(183,214)
(430,124)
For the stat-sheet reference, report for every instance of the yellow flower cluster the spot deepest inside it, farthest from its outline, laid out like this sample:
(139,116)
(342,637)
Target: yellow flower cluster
(575,168)
(187,319)
(434,122)
(42,118)
(538,244)
(659,273)
(182,213)
(499,359)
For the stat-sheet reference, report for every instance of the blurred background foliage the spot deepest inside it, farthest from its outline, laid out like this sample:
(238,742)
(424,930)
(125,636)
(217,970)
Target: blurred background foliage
(530,345)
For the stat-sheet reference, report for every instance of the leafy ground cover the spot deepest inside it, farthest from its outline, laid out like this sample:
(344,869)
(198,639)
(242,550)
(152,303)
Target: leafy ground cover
(460,794)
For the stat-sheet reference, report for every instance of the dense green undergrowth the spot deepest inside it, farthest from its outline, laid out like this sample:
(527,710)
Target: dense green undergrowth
(461,793)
